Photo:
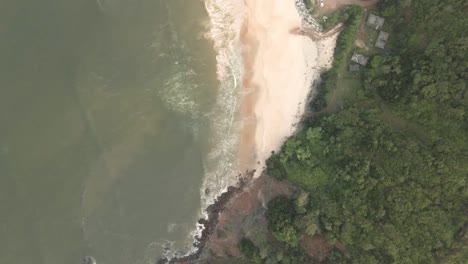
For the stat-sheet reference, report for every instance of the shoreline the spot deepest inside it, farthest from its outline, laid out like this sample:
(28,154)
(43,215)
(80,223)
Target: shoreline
(209,224)
(269,112)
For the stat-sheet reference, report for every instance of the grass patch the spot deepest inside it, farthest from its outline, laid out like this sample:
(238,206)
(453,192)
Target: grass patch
(346,86)
(344,46)
(334,19)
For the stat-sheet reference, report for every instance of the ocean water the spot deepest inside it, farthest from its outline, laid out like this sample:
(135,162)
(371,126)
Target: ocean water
(118,125)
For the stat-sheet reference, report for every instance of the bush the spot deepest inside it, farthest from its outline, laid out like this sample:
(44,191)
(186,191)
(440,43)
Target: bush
(248,248)
(274,167)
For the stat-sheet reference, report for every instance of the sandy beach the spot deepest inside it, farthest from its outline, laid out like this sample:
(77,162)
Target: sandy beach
(280,67)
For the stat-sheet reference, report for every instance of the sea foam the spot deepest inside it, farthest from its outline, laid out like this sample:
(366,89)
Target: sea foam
(226,18)
(221,165)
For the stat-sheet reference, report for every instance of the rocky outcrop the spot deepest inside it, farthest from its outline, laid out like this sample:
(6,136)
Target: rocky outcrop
(208,225)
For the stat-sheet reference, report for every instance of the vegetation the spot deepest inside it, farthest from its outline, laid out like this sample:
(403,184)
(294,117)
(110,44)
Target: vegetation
(386,175)
(344,45)
(280,217)
(340,16)
(248,248)
(391,197)
(309,4)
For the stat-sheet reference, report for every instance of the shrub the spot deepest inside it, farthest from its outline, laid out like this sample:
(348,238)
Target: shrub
(248,248)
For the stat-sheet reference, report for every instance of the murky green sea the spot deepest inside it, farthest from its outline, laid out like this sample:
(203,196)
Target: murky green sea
(104,126)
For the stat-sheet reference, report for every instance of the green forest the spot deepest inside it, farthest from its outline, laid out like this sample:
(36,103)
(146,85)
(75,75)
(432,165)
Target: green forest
(385,175)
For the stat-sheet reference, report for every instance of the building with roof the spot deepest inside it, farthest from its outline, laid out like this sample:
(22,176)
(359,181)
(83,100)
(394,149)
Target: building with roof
(382,39)
(354,67)
(359,58)
(375,21)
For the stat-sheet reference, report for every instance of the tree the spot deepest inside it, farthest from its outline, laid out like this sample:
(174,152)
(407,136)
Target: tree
(248,248)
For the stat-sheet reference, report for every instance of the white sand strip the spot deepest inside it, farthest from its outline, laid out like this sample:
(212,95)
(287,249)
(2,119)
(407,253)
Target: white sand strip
(280,73)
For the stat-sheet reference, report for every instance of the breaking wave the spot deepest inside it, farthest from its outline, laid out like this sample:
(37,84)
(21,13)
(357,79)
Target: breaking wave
(221,165)
(226,18)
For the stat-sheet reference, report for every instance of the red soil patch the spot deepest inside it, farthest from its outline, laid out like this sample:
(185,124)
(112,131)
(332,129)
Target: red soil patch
(361,39)
(407,14)
(316,247)
(235,221)
(340,246)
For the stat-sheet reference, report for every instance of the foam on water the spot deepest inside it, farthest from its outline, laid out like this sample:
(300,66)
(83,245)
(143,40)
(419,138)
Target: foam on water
(226,18)
(176,93)
(179,87)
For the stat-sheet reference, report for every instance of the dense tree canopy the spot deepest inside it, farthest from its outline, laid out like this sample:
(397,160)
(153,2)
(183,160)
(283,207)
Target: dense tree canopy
(394,192)
(387,195)
(387,175)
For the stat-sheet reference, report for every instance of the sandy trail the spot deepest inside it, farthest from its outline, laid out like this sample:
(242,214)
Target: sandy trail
(280,67)
(331,6)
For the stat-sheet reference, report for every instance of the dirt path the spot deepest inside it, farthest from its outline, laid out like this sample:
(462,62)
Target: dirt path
(329,6)
(316,35)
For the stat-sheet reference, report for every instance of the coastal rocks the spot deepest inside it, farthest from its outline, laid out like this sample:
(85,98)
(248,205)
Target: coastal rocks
(243,217)
(211,222)
(308,21)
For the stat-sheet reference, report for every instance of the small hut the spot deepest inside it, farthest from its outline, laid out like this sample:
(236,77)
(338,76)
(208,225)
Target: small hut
(375,21)
(382,39)
(359,58)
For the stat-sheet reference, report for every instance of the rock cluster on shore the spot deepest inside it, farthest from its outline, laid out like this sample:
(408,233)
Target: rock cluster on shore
(210,223)
(309,21)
